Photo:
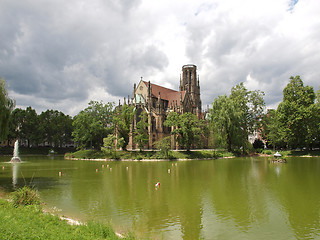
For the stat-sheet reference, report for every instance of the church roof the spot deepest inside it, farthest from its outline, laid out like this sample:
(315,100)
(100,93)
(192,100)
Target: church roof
(172,96)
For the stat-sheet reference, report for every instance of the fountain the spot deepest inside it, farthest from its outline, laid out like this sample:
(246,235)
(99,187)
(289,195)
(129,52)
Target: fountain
(15,157)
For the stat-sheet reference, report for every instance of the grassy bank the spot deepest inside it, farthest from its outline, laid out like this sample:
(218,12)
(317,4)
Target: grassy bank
(29,222)
(175,155)
(293,153)
(140,155)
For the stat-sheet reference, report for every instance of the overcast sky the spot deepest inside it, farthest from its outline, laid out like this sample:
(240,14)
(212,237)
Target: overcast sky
(61,54)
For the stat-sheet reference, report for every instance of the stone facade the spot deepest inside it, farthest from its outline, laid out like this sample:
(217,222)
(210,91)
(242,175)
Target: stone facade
(159,101)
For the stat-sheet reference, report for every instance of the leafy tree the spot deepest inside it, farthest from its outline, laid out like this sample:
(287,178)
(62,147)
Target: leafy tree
(187,128)
(122,120)
(235,117)
(164,145)
(92,124)
(141,134)
(15,124)
(55,127)
(24,124)
(270,129)
(109,145)
(225,119)
(6,107)
(297,114)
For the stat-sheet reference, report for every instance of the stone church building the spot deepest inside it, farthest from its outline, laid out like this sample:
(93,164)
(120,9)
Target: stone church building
(159,101)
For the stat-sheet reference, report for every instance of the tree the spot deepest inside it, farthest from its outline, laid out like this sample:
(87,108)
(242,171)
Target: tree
(270,129)
(235,117)
(15,124)
(187,128)
(141,136)
(225,120)
(164,146)
(30,126)
(92,124)
(109,145)
(122,120)
(55,127)
(297,114)
(6,107)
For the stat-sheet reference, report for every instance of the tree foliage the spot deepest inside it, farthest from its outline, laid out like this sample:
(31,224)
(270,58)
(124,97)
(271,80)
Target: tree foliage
(6,107)
(164,146)
(233,118)
(122,120)
(298,115)
(92,124)
(187,128)
(141,136)
(55,127)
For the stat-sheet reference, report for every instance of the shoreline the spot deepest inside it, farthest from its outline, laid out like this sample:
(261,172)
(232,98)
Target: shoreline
(142,160)
(52,211)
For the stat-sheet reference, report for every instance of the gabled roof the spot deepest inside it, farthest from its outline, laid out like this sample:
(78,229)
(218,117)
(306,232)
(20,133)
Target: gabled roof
(170,95)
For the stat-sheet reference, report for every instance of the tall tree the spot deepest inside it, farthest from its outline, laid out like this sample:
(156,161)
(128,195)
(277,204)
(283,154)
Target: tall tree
(298,115)
(122,120)
(6,107)
(237,116)
(270,129)
(92,124)
(141,136)
(55,127)
(225,119)
(30,127)
(187,128)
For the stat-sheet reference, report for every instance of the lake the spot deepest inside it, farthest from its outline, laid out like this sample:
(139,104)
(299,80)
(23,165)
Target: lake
(239,198)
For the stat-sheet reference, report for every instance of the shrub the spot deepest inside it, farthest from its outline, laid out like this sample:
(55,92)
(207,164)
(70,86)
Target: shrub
(269,152)
(25,196)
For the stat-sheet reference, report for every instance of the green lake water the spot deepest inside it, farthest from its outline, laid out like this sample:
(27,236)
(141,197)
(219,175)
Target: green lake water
(240,198)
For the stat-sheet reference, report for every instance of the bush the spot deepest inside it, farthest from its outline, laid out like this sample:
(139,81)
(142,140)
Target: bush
(25,196)
(268,152)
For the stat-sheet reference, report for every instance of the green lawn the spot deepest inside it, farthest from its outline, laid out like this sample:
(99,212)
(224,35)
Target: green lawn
(29,222)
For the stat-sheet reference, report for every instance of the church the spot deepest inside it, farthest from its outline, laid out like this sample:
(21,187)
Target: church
(159,101)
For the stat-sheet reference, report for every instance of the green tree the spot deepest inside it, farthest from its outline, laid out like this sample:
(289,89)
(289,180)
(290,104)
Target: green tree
(122,120)
(164,146)
(141,136)
(110,146)
(298,116)
(225,120)
(187,128)
(15,124)
(30,127)
(270,129)
(92,124)
(235,117)
(6,107)
(55,127)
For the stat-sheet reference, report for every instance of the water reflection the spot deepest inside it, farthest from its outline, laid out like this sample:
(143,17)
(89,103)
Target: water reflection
(219,199)
(15,171)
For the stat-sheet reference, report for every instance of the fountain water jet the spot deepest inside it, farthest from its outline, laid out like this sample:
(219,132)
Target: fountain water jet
(15,157)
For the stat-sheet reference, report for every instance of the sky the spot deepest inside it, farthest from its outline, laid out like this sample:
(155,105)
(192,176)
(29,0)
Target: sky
(57,54)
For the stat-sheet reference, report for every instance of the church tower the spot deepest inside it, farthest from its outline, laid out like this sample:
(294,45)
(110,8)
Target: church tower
(190,84)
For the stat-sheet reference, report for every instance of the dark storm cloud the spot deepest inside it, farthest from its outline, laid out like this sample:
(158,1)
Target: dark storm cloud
(56,50)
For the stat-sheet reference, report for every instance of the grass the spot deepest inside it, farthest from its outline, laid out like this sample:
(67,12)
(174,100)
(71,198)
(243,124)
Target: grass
(140,155)
(29,222)
(25,196)
(291,153)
